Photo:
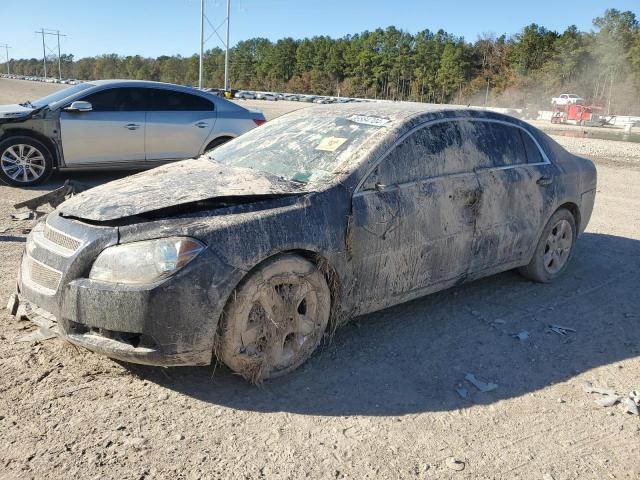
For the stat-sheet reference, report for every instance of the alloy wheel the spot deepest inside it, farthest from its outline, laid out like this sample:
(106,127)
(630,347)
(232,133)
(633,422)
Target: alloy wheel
(23,163)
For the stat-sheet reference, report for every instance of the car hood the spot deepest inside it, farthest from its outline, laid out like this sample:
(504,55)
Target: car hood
(14,111)
(169,187)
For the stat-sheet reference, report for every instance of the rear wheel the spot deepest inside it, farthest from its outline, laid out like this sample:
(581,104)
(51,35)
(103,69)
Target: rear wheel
(275,320)
(216,143)
(554,248)
(24,161)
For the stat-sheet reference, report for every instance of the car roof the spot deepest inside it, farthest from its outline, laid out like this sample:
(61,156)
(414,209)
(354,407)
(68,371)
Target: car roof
(145,83)
(399,113)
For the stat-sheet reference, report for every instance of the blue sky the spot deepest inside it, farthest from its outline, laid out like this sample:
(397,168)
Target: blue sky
(157,27)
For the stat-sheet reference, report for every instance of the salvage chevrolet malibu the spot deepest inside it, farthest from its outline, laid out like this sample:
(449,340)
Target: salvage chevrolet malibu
(252,252)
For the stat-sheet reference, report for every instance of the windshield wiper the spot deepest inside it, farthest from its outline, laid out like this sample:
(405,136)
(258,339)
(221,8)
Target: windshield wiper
(27,104)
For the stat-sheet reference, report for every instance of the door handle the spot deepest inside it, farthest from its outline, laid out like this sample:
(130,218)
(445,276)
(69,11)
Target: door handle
(132,126)
(202,124)
(544,181)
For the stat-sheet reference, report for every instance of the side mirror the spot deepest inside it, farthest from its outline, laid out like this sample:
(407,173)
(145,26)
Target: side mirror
(79,106)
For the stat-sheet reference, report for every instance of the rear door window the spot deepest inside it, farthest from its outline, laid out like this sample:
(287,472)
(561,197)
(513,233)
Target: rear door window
(498,144)
(118,100)
(172,101)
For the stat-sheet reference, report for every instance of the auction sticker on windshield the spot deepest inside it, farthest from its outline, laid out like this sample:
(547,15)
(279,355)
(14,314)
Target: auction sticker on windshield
(330,144)
(369,120)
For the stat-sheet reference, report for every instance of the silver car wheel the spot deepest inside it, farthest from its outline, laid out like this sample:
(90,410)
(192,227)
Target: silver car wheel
(558,247)
(23,163)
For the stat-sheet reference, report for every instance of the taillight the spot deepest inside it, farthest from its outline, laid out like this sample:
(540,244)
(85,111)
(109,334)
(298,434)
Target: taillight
(259,121)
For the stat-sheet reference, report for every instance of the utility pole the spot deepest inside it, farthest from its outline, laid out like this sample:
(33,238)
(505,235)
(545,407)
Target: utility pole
(44,53)
(59,62)
(226,53)
(6,48)
(201,42)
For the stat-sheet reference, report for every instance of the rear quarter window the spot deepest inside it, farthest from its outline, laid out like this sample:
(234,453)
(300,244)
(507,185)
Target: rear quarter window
(532,150)
(172,101)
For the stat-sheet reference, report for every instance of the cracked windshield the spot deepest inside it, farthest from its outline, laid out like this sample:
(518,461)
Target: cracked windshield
(298,149)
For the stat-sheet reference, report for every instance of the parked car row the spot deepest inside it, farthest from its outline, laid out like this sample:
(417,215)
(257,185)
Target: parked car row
(293,97)
(33,78)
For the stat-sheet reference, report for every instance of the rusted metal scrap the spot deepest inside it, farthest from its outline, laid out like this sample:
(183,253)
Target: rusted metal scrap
(54,197)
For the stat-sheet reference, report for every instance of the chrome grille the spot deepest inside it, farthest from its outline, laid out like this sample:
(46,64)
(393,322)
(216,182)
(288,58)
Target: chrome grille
(60,239)
(42,275)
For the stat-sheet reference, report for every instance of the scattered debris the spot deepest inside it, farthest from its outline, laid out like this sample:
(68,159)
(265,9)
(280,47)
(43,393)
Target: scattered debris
(463,392)
(523,336)
(589,388)
(548,476)
(608,400)
(38,335)
(455,464)
(54,197)
(23,215)
(560,330)
(562,400)
(482,386)
(630,403)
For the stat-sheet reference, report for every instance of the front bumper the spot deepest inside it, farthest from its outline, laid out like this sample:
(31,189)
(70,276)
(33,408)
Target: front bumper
(116,345)
(170,323)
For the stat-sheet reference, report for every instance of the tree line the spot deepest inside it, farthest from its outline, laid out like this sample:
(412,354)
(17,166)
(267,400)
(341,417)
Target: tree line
(526,69)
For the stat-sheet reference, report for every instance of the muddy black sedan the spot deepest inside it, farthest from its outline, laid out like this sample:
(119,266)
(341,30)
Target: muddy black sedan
(251,253)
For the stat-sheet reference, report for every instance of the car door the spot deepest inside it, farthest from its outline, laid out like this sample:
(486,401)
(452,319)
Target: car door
(518,192)
(112,132)
(178,124)
(412,220)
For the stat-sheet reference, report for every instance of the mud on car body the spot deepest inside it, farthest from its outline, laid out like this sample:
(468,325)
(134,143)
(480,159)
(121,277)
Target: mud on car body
(251,252)
(114,124)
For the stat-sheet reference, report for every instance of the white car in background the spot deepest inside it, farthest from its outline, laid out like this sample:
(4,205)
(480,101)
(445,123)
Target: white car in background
(567,99)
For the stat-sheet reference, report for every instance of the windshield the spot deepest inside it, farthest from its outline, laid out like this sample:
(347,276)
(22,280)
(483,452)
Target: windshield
(299,148)
(60,95)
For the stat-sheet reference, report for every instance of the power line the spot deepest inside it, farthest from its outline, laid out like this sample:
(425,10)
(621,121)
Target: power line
(57,34)
(6,48)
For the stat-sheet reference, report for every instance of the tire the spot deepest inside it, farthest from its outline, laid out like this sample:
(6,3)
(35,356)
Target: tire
(24,161)
(216,143)
(275,320)
(554,249)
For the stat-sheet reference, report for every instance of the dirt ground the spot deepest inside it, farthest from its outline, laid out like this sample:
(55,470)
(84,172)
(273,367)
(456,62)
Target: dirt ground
(380,401)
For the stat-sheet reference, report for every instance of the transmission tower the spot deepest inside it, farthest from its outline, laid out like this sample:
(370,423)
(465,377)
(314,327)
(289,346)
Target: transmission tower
(204,17)
(57,34)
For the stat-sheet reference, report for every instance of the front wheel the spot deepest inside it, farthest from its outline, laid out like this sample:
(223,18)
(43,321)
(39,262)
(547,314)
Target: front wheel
(24,161)
(275,320)
(554,248)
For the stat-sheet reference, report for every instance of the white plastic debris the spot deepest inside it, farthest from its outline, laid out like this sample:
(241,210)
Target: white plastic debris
(560,330)
(482,386)
(523,336)
(455,464)
(463,392)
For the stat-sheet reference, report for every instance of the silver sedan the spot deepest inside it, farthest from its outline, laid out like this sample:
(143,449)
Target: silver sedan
(114,124)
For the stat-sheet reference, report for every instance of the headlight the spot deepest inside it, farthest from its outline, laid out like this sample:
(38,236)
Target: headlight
(144,262)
